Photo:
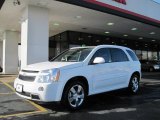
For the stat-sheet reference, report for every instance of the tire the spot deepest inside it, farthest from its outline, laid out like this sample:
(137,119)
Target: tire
(74,95)
(1,70)
(133,86)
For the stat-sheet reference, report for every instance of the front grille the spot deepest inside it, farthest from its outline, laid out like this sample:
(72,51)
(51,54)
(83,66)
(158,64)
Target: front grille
(27,78)
(36,97)
(24,94)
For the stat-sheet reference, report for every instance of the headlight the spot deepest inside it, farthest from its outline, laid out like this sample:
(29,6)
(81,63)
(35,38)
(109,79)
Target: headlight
(48,76)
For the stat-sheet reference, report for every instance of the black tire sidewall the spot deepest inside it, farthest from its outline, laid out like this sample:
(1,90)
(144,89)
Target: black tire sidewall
(66,91)
(1,70)
(131,84)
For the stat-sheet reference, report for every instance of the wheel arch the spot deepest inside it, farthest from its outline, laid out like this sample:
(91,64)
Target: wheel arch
(136,73)
(77,78)
(129,88)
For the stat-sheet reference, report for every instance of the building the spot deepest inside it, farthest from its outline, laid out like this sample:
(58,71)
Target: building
(33,31)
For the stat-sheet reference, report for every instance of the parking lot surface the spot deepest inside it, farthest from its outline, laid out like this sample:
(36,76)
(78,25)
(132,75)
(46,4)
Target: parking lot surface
(117,105)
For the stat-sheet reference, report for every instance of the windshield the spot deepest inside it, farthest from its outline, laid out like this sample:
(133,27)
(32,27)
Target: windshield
(73,55)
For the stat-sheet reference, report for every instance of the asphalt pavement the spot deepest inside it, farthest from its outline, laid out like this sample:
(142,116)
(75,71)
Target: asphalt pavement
(117,105)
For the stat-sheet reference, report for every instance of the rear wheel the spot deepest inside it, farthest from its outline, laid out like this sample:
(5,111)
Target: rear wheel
(133,84)
(74,95)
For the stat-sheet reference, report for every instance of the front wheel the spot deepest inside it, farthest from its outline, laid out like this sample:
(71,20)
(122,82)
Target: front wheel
(74,95)
(133,84)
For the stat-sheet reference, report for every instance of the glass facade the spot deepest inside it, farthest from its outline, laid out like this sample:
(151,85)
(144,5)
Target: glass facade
(144,55)
(139,54)
(152,55)
(144,50)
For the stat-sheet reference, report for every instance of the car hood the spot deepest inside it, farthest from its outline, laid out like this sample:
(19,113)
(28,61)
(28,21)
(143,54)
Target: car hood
(51,65)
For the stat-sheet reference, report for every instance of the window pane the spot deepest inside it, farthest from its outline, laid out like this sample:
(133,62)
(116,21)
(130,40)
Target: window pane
(152,55)
(132,55)
(144,55)
(139,54)
(118,55)
(149,55)
(73,55)
(104,52)
(155,56)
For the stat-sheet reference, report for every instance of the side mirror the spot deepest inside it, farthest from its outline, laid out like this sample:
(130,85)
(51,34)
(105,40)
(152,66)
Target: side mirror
(99,60)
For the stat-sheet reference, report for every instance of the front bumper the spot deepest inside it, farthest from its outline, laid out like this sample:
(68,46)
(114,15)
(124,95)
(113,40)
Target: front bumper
(44,92)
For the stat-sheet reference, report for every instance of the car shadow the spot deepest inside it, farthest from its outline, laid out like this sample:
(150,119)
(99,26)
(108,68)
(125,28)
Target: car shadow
(149,92)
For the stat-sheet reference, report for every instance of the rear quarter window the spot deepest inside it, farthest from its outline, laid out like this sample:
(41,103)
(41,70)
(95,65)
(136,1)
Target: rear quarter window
(118,55)
(132,55)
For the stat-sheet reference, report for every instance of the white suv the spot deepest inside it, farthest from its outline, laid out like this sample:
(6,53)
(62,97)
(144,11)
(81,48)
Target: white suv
(79,72)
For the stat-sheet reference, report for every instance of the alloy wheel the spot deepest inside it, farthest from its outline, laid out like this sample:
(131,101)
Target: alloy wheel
(76,96)
(135,84)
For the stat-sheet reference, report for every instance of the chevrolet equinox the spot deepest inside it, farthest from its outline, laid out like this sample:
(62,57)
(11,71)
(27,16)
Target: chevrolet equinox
(80,72)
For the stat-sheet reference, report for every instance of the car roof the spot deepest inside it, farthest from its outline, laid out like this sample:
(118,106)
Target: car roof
(101,46)
(112,46)
(83,47)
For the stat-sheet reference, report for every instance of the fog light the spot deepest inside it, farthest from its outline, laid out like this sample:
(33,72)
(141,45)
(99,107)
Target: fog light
(40,89)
